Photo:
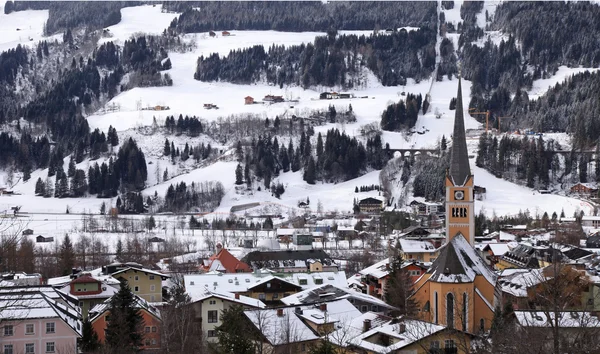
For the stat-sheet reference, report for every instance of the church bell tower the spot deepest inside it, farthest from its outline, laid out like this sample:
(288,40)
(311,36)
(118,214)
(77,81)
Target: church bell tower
(460,211)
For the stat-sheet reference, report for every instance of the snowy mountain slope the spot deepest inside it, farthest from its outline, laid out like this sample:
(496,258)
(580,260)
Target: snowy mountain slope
(22,27)
(187,96)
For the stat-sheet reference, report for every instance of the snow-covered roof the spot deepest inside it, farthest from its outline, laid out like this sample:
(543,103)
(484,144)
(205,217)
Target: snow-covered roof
(240,299)
(377,270)
(292,327)
(567,319)
(411,332)
(505,236)
(95,273)
(517,283)
(416,246)
(35,304)
(329,292)
(345,332)
(241,282)
(140,303)
(498,249)
(106,292)
(458,262)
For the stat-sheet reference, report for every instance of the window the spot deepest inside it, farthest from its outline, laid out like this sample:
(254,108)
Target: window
(147,342)
(464,312)
(213,316)
(449,343)
(8,349)
(29,348)
(275,296)
(50,327)
(80,303)
(435,307)
(212,302)
(434,347)
(450,310)
(212,333)
(153,340)
(482,325)
(8,330)
(261,296)
(29,328)
(107,318)
(364,308)
(303,347)
(374,308)
(152,298)
(318,281)
(427,307)
(303,281)
(147,329)
(151,277)
(136,289)
(459,212)
(50,347)
(153,329)
(152,288)
(136,278)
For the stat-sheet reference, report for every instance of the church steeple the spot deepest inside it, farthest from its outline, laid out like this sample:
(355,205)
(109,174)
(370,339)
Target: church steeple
(460,208)
(459,159)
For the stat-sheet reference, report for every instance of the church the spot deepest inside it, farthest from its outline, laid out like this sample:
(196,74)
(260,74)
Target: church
(458,290)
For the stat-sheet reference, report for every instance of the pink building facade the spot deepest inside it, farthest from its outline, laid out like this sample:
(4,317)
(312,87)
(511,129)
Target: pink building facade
(33,323)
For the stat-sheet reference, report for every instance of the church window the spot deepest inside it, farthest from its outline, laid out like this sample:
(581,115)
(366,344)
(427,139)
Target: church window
(435,307)
(481,325)
(450,310)
(464,312)
(459,212)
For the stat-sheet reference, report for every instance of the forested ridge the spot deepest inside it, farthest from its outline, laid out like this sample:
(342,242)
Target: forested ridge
(299,16)
(332,60)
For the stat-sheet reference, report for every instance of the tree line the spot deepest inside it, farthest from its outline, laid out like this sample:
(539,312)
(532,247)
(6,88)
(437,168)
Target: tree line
(333,60)
(299,16)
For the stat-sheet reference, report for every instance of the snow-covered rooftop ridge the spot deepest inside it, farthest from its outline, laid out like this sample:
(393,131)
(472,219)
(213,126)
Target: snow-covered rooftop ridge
(416,246)
(223,295)
(404,332)
(289,324)
(328,292)
(517,283)
(566,319)
(377,270)
(459,263)
(140,303)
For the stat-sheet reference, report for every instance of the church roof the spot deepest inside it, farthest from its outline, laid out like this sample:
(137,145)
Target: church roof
(459,158)
(459,263)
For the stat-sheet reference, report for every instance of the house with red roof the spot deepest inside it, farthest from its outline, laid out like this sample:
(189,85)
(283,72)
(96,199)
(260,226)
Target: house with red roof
(224,262)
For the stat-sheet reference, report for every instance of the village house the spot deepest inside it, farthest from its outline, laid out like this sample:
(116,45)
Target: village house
(420,250)
(209,305)
(327,292)
(33,321)
(44,239)
(225,34)
(144,282)
(425,208)
(273,99)
(86,291)
(492,252)
(584,189)
(372,280)
(151,335)
(370,205)
(291,261)
(264,285)
(248,100)
(224,261)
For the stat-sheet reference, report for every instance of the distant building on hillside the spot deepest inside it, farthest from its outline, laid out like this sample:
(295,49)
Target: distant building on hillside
(248,100)
(370,205)
(584,189)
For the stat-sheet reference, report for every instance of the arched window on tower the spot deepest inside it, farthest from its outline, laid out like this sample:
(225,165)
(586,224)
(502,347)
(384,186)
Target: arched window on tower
(450,310)
(464,312)
(435,307)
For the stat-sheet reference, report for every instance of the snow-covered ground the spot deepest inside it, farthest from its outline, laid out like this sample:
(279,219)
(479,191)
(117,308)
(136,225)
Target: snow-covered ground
(22,27)
(187,96)
(541,86)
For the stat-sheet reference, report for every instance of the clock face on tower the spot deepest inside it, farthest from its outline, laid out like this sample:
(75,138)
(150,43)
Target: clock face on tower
(459,195)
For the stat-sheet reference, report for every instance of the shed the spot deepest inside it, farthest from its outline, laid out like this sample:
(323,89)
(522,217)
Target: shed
(42,239)
(248,100)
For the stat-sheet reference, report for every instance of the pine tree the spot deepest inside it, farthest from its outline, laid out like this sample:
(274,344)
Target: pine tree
(40,187)
(399,288)
(167,148)
(89,338)
(310,171)
(443,143)
(66,256)
(583,170)
(124,330)
(234,332)
(319,145)
(71,169)
(239,175)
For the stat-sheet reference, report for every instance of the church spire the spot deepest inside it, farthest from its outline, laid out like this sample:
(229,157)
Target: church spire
(459,159)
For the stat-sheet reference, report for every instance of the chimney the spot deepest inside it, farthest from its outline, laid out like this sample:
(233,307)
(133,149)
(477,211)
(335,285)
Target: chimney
(387,266)
(279,312)
(401,328)
(237,296)
(323,307)
(298,310)
(366,325)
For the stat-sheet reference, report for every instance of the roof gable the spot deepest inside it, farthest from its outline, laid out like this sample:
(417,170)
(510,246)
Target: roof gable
(459,263)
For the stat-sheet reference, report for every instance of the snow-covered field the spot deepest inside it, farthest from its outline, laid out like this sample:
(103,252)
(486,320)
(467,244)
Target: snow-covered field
(541,86)
(187,96)
(22,27)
